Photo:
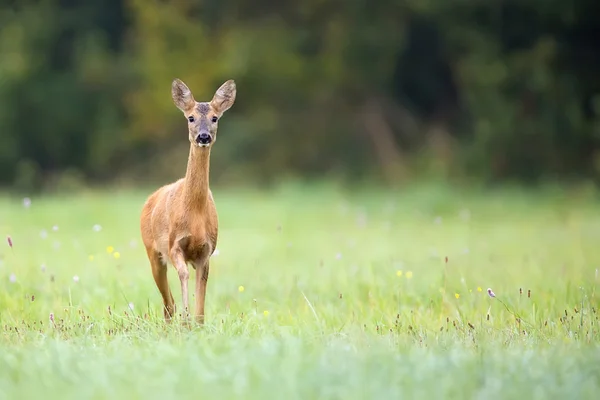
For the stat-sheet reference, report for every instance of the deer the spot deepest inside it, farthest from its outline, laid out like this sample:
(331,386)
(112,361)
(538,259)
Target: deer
(179,223)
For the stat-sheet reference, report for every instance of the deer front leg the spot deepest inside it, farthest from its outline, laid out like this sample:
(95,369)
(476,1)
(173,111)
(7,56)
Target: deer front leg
(182,269)
(202,270)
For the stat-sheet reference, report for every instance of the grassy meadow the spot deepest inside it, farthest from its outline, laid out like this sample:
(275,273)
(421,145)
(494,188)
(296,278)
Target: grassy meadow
(314,293)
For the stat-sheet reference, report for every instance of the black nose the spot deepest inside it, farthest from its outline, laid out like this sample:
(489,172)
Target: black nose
(203,138)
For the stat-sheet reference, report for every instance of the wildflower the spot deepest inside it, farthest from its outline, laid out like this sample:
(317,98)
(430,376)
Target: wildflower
(479,288)
(457,295)
(51,318)
(131,306)
(26,202)
(116,255)
(361,220)
(465,214)
(9,240)
(91,257)
(240,289)
(491,293)
(97,228)
(266,313)
(12,278)
(110,249)
(408,274)
(399,273)
(75,279)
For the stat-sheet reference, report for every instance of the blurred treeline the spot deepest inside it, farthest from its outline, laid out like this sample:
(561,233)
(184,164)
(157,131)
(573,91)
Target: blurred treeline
(391,89)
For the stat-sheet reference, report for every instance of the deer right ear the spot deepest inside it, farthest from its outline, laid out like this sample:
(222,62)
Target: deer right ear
(224,97)
(182,96)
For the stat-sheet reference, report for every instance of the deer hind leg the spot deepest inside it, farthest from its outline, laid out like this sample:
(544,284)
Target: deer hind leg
(159,271)
(182,270)
(202,269)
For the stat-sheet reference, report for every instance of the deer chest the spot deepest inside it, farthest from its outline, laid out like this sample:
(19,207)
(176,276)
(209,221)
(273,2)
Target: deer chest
(197,247)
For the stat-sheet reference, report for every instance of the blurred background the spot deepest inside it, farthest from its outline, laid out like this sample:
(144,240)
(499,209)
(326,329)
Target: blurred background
(384,91)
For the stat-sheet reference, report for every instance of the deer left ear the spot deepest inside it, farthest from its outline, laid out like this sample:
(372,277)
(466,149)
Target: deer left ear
(224,97)
(182,96)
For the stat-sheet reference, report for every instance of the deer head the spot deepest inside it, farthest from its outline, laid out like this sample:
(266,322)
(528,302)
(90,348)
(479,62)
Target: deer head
(203,117)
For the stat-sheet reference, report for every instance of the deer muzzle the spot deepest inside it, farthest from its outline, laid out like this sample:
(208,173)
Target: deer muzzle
(203,139)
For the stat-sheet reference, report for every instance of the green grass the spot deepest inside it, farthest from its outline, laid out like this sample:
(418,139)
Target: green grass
(323,312)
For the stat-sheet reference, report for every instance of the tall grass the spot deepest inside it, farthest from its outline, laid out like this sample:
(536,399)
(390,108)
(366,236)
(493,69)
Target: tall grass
(313,293)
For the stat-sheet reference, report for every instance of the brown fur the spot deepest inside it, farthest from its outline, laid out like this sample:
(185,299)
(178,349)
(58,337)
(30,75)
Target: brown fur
(179,222)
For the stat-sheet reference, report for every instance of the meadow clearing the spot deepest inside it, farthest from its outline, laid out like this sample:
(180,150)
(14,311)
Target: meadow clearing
(314,293)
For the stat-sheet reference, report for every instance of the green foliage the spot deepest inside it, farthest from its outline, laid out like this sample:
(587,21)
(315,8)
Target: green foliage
(495,91)
(315,293)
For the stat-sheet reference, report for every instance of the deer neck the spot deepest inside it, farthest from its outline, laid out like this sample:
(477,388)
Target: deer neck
(196,178)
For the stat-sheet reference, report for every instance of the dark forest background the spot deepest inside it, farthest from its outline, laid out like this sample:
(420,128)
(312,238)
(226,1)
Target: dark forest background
(354,90)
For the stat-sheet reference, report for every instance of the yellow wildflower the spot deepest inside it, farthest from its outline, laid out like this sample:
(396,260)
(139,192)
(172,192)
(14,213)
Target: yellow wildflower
(399,273)
(116,255)
(240,289)
(457,295)
(408,274)
(266,313)
(110,249)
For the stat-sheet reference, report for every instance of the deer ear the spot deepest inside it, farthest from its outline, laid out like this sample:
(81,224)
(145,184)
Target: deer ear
(182,96)
(224,97)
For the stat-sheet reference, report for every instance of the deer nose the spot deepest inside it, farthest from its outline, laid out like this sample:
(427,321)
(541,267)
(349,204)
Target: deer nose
(203,138)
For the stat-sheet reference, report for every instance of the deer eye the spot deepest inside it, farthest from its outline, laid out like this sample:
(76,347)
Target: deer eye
(191,118)
(214,119)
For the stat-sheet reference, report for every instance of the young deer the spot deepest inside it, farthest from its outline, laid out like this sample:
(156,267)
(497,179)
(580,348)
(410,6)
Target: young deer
(179,221)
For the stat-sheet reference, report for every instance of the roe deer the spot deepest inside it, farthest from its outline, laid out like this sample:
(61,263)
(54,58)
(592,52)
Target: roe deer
(179,221)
